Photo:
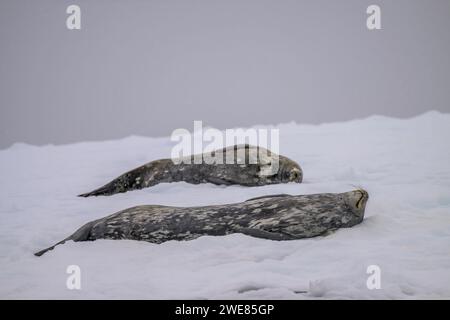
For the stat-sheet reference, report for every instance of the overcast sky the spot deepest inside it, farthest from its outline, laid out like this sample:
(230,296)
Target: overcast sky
(149,67)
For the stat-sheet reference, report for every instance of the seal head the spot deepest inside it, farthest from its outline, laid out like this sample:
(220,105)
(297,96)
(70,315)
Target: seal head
(290,171)
(356,200)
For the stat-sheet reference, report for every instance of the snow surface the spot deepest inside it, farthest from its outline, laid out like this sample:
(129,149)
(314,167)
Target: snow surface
(404,165)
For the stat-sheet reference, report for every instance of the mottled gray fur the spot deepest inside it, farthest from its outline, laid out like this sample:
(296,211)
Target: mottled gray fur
(240,173)
(276,217)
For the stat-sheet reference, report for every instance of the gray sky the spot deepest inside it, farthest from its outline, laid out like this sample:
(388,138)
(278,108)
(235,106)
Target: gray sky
(149,67)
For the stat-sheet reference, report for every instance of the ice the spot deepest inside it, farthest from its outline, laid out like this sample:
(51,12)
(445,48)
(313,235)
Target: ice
(404,164)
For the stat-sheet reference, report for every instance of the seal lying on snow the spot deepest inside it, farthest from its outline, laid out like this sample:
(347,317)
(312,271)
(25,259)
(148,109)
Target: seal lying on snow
(276,217)
(260,167)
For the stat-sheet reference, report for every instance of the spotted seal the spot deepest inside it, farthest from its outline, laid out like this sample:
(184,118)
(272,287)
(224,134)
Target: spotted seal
(274,217)
(256,169)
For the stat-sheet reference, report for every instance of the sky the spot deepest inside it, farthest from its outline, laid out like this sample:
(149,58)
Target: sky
(150,67)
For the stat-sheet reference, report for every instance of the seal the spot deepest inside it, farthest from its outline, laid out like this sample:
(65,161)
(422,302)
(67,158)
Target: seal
(274,217)
(260,167)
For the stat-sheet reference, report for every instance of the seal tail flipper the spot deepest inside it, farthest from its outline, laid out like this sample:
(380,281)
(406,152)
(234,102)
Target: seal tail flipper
(82,234)
(128,181)
(40,253)
(107,189)
(141,177)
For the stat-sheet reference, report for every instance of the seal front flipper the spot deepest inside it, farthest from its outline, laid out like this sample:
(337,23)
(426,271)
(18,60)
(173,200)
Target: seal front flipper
(219,181)
(263,234)
(270,196)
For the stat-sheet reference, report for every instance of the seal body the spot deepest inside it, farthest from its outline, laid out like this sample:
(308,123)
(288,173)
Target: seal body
(239,165)
(276,217)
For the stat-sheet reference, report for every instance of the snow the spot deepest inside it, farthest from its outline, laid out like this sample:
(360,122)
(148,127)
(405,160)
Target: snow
(404,164)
